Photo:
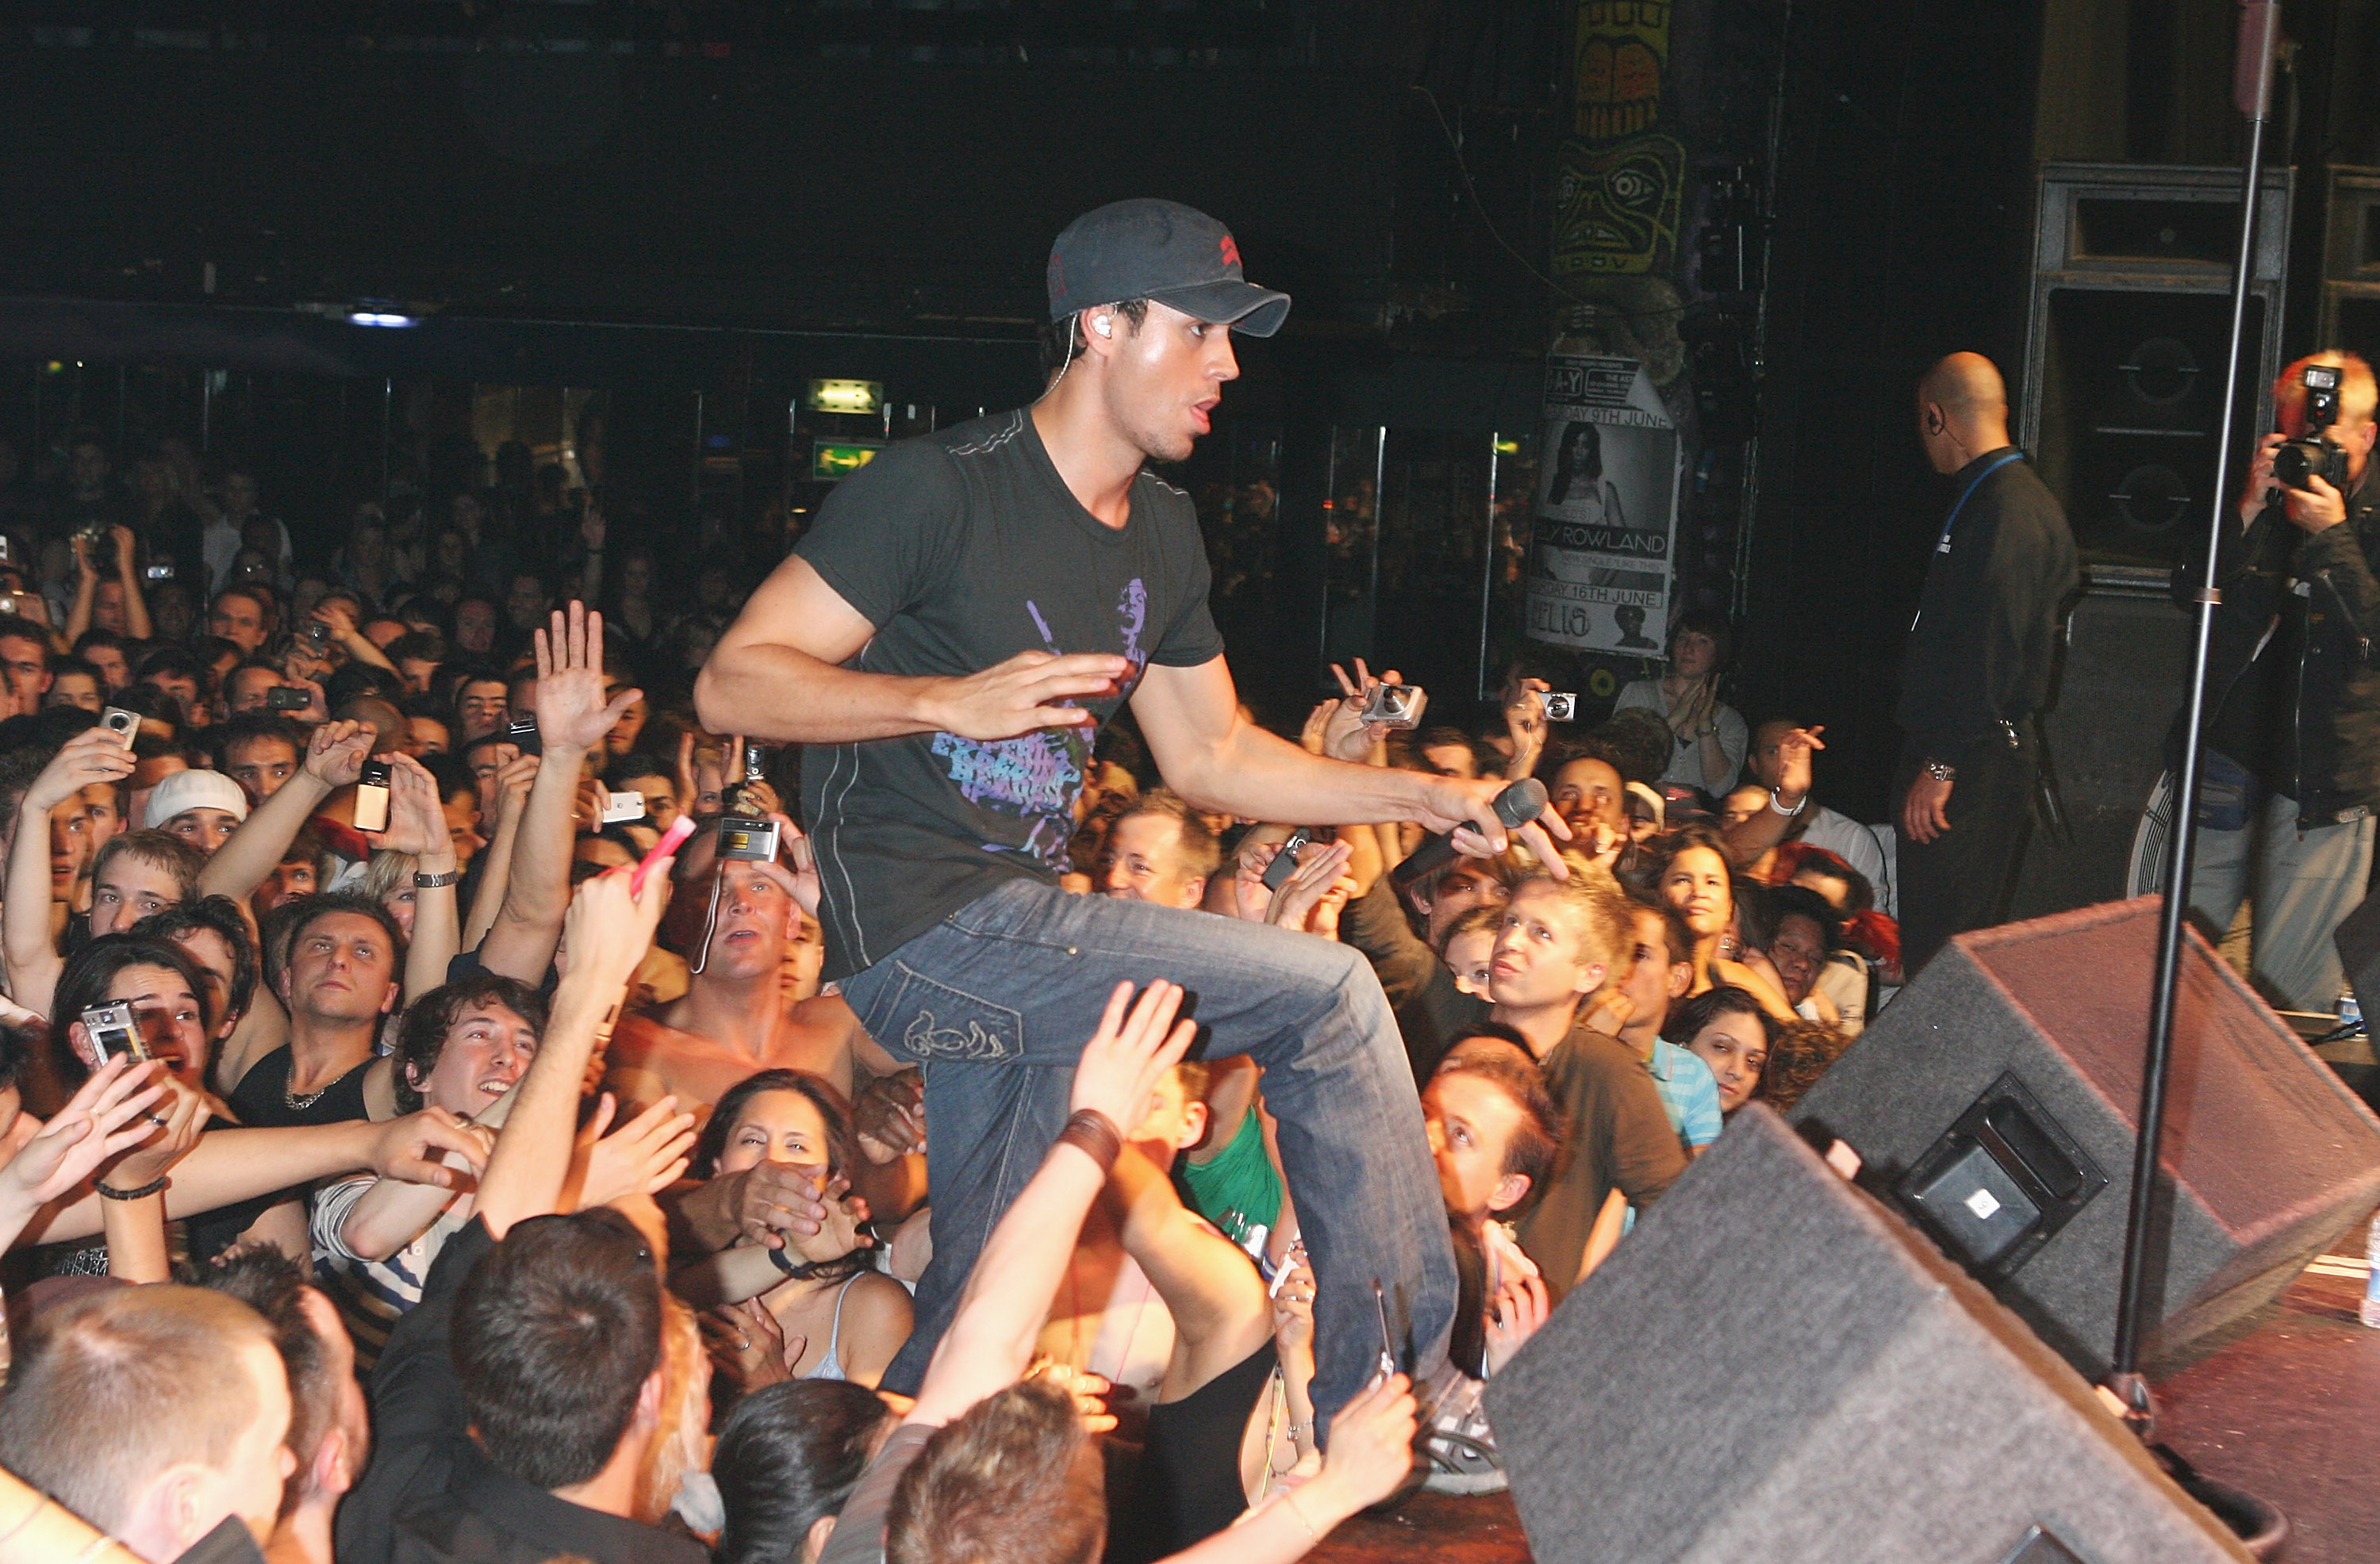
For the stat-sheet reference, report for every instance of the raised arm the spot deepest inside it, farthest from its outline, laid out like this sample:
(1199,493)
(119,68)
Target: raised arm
(93,755)
(1212,755)
(572,718)
(512,783)
(999,1315)
(127,573)
(1220,1313)
(334,756)
(778,676)
(418,827)
(1762,829)
(610,931)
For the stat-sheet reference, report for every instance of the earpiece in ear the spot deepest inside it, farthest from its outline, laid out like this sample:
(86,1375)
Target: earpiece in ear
(1104,325)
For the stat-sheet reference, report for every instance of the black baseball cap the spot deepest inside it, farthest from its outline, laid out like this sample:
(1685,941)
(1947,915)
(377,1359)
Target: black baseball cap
(1160,250)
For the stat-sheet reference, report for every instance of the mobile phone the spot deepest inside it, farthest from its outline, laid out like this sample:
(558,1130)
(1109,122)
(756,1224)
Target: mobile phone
(749,840)
(1561,708)
(1284,862)
(112,1033)
(371,797)
(159,570)
(1393,705)
(7,602)
(282,697)
(521,734)
(736,796)
(316,631)
(123,724)
(619,807)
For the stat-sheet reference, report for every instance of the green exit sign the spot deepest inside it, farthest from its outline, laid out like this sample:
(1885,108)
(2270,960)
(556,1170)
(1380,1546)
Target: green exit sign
(828,463)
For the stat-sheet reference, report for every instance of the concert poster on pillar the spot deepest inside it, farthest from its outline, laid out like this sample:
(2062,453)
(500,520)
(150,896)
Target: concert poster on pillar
(1606,502)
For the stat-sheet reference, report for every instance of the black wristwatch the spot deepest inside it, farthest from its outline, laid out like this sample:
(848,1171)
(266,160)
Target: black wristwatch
(432,881)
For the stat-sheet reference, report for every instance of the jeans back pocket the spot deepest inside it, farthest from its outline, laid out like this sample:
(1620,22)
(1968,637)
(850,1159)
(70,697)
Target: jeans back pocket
(929,1020)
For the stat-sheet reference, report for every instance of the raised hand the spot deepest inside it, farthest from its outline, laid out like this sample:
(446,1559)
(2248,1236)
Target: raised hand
(1348,736)
(95,755)
(609,928)
(1026,693)
(1121,1062)
(782,1201)
(336,753)
(571,711)
(1519,1307)
(1525,717)
(114,1110)
(413,1149)
(416,822)
(1318,870)
(1467,807)
(644,1155)
(1793,762)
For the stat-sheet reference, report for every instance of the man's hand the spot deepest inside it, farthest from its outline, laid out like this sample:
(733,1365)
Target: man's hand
(1026,693)
(1793,764)
(1466,806)
(86,568)
(644,1155)
(608,928)
(748,1347)
(888,1114)
(335,754)
(413,1149)
(1121,1064)
(95,755)
(1926,809)
(1524,722)
(1318,870)
(2316,508)
(416,822)
(2260,479)
(1519,1307)
(571,710)
(781,1202)
(590,527)
(1347,736)
(111,1114)
(121,536)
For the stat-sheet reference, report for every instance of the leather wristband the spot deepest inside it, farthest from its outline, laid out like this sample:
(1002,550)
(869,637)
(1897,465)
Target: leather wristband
(1095,1135)
(143,1193)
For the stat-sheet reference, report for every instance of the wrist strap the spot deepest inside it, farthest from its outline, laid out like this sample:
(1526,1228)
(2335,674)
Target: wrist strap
(143,1193)
(1778,804)
(1095,1134)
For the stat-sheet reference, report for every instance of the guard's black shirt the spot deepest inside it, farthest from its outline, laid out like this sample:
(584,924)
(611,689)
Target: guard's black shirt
(1986,631)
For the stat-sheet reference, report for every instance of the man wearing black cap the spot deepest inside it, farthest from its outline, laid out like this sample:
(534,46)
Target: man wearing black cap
(945,643)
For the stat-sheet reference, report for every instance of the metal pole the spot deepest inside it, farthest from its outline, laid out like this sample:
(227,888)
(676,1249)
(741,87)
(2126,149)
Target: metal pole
(1487,558)
(2259,20)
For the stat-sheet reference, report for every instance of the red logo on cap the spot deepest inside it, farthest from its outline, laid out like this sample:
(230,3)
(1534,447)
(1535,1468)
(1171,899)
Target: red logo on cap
(1230,251)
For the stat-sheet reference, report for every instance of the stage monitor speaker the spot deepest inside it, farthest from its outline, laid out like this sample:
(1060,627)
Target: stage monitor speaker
(1774,1366)
(2350,262)
(2268,1156)
(2123,379)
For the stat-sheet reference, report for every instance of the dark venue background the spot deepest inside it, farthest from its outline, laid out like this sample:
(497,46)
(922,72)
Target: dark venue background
(632,233)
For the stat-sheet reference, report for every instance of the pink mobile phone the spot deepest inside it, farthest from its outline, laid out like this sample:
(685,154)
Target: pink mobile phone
(671,840)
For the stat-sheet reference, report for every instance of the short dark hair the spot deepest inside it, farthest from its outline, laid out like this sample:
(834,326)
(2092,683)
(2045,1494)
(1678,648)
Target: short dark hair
(268,1281)
(1705,622)
(1689,1016)
(17,627)
(420,646)
(159,849)
(422,1036)
(313,909)
(556,1331)
(788,1457)
(1637,743)
(1858,891)
(171,662)
(1013,1480)
(1800,901)
(89,979)
(248,727)
(75,667)
(1537,1139)
(214,914)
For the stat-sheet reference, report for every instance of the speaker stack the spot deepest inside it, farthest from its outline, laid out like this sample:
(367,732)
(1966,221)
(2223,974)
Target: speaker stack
(1782,1364)
(2124,345)
(2350,316)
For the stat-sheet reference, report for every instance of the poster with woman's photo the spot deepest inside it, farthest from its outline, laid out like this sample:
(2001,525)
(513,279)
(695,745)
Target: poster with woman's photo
(1598,573)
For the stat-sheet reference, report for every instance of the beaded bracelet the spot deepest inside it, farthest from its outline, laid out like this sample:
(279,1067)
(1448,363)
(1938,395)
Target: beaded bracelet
(143,1193)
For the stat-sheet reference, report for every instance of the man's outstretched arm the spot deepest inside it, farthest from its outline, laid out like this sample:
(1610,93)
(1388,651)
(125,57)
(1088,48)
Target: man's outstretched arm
(1213,756)
(777,675)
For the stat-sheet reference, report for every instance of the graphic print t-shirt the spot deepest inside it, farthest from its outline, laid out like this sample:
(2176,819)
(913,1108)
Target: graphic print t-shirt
(963,548)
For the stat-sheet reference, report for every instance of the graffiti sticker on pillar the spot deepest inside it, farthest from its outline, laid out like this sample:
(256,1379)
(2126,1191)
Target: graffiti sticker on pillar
(1598,573)
(1623,47)
(1616,207)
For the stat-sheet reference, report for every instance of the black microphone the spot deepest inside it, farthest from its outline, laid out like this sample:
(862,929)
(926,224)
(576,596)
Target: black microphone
(1516,806)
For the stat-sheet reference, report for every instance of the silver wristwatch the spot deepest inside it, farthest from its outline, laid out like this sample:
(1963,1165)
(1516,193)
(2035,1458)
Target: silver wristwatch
(1941,771)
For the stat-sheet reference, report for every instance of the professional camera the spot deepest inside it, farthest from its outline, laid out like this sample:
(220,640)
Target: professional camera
(2313,453)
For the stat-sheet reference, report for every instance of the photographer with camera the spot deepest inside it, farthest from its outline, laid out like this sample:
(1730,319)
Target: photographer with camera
(2292,764)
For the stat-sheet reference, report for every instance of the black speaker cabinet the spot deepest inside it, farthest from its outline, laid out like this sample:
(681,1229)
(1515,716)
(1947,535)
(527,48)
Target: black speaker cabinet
(2122,391)
(2268,1156)
(2350,316)
(1775,1367)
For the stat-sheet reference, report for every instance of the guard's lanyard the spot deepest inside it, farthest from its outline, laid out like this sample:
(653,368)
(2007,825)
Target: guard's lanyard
(1942,544)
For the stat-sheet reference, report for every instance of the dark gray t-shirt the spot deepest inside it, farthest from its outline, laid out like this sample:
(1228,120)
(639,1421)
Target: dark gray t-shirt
(963,548)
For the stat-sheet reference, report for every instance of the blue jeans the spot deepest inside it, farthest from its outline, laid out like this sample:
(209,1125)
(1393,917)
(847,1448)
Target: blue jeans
(996,1003)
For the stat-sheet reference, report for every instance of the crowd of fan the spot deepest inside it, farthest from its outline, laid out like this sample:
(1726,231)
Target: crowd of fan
(454,1189)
